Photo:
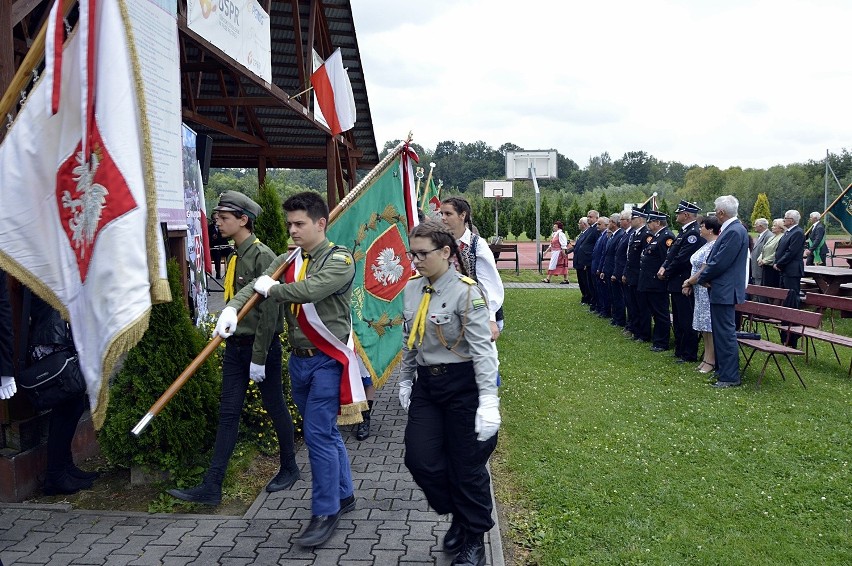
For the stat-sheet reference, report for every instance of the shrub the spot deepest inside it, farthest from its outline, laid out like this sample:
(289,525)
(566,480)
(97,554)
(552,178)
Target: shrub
(270,226)
(186,427)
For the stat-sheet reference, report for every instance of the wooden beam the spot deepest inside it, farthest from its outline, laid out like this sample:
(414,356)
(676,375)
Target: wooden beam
(258,101)
(7,47)
(222,128)
(279,151)
(22,8)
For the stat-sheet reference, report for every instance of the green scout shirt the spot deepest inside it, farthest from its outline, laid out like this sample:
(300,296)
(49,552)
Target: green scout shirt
(263,322)
(327,284)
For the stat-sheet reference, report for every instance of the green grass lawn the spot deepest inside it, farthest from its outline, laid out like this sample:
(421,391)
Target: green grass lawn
(612,454)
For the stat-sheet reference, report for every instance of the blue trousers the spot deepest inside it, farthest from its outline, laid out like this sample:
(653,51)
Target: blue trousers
(235,378)
(723,323)
(316,391)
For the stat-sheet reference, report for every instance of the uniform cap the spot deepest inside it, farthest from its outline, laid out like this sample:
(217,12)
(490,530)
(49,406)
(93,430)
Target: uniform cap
(655,215)
(684,206)
(232,201)
(638,213)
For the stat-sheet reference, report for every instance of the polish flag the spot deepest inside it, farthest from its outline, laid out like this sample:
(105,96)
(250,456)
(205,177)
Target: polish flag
(334,94)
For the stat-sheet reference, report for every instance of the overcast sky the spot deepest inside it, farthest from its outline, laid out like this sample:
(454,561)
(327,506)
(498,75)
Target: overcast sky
(751,83)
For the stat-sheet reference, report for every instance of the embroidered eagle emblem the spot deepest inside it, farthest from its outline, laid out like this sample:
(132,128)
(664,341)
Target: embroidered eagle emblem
(387,269)
(86,208)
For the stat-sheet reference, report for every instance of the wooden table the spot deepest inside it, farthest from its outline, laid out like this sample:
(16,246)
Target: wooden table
(829,279)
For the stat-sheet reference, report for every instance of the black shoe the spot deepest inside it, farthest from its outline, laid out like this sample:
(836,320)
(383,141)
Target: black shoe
(363,430)
(722,384)
(472,553)
(658,349)
(64,484)
(204,494)
(76,472)
(455,537)
(319,529)
(347,504)
(284,479)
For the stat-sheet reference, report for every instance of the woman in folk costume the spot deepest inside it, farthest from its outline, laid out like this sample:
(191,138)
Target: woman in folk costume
(558,258)
(448,386)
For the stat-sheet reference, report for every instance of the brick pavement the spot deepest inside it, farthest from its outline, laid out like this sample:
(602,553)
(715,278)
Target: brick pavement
(392,523)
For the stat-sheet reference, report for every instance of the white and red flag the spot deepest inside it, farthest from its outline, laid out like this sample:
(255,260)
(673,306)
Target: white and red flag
(334,94)
(79,205)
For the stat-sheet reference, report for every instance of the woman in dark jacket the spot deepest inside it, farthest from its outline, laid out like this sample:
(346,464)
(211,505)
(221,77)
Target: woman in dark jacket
(48,334)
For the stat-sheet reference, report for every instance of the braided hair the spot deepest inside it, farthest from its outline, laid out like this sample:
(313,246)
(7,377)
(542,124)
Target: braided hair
(461,205)
(441,236)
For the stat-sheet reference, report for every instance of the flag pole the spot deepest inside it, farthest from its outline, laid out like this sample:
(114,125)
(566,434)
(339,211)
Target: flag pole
(428,180)
(193,366)
(30,62)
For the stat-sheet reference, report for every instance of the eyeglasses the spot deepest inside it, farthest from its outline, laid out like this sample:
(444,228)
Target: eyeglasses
(419,256)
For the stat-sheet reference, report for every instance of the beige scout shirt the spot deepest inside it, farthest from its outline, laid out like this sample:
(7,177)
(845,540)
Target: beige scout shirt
(458,309)
(327,284)
(265,321)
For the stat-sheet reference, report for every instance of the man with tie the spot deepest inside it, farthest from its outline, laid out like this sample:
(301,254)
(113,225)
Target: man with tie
(653,294)
(816,249)
(788,257)
(630,279)
(725,277)
(761,226)
(582,259)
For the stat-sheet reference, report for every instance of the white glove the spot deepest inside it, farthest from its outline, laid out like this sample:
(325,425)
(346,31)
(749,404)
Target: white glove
(227,323)
(487,419)
(405,393)
(257,372)
(7,387)
(264,283)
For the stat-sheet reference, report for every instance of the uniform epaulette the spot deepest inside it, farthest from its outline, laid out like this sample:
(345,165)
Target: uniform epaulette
(467,279)
(414,276)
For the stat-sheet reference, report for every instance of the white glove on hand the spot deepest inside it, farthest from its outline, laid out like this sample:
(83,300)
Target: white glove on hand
(264,283)
(487,420)
(227,323)
(257,372)
(7,387)
(405,393)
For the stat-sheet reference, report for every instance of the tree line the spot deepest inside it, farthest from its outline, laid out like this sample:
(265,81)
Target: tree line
(604,183)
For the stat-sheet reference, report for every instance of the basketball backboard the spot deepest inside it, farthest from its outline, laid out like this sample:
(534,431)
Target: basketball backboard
(518,164)
(492,189)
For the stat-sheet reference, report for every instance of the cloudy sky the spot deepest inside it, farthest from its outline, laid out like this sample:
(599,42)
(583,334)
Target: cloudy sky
(752,83)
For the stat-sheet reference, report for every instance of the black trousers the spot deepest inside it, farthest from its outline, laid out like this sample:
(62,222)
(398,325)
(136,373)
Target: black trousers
(589,277)
(583,282)
(63,425)
(631,302)
(616,293)
(655,305)
(686,339)
(441,449)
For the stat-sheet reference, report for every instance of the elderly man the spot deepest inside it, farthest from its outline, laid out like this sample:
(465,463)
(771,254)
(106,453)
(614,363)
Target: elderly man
(583,259)
(601,305)
(675,270)
(761,226)
(816,250)
(638,241)
(788,257)
(725,275)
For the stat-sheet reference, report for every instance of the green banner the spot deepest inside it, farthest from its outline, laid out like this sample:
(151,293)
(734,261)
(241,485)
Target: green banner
(842,210)
(375,228)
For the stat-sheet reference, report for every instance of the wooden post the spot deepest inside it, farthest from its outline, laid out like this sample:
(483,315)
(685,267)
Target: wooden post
(7,50)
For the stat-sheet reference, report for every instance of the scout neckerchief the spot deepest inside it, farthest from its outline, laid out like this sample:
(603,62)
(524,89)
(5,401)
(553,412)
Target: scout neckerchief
(353,400)
(230,272)
(419,326)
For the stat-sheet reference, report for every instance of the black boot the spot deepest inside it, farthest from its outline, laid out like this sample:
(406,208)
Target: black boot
(62,483)
(206,494)
(284,479)
(79,474)
(472,553)
(363,430)
(455,537)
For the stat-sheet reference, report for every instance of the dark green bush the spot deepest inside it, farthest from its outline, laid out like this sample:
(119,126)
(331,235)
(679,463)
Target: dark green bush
(270,226)
(186,427)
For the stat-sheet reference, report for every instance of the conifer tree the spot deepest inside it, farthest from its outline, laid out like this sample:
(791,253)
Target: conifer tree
(761,209)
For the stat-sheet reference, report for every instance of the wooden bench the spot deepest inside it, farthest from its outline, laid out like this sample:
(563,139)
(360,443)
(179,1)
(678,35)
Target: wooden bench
(787,318)
(506,253)
(821,303)
(762,294)
(844,247)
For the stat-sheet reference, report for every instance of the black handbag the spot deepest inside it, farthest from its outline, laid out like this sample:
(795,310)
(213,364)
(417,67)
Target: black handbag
(51,380)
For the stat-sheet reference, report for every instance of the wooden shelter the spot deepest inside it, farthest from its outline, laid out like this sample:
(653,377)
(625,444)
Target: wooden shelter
(253,124)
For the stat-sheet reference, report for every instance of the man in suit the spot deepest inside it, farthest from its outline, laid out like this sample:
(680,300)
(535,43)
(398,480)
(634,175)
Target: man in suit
(816,249)
(583,259)
(589,246)
(725,276)
(653,294)
(601,306)
(788,257)
(608,267)
(616,280)
(675,270)
(761,226)
(630,279)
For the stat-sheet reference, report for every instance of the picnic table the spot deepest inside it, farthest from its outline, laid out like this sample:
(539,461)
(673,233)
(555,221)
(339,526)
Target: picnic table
(829,279)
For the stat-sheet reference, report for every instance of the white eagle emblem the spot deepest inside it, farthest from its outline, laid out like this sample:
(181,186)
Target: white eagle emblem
(86,208)
(387,269)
